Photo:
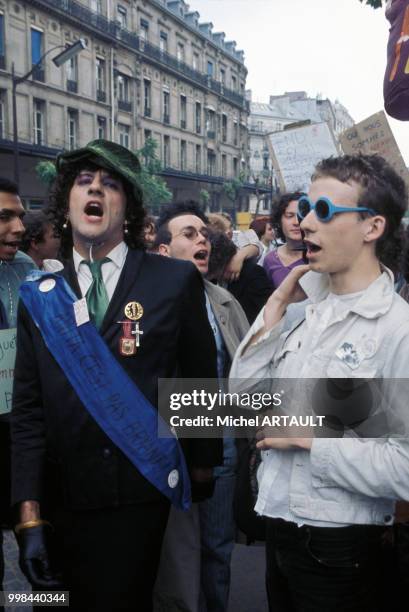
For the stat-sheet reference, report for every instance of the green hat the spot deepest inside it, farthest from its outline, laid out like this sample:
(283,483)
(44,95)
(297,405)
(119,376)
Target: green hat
(110,156)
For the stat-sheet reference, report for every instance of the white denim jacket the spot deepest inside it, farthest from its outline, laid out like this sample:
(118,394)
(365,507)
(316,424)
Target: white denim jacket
(346,480)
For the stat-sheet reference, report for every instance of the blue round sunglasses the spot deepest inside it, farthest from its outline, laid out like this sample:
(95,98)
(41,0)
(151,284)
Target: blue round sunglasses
(325,209)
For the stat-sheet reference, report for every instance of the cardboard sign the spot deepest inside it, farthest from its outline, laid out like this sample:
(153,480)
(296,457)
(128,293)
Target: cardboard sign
(295,153)
(373,135)
(7,361)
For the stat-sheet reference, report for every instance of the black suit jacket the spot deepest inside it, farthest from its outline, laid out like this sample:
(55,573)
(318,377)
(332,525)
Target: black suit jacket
(50,427)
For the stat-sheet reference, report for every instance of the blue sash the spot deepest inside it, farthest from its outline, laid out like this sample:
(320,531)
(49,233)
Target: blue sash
(107,392)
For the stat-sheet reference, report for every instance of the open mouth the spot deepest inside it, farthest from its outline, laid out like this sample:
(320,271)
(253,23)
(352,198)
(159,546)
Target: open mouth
(13,244)
(312,248)
(93,209)
(201,255)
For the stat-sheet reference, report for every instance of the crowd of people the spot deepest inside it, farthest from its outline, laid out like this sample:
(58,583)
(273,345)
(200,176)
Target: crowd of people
(114,300)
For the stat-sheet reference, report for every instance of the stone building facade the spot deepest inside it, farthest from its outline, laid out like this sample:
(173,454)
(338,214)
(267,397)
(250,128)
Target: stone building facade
(150,69)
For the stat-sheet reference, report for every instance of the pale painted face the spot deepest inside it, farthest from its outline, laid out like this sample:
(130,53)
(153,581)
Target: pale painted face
(11,226)
(97,204)
(336,247)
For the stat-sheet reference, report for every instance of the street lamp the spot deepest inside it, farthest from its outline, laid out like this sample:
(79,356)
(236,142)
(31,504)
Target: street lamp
(59,60)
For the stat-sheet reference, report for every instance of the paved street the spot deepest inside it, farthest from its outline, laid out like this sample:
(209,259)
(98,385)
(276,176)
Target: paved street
(247,591)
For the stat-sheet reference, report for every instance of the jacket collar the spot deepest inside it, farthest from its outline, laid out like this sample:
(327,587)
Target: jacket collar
(374,302)
(217,294)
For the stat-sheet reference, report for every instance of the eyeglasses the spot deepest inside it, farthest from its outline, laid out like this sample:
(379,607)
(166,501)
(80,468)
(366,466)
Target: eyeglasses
(325,209)
(191,233)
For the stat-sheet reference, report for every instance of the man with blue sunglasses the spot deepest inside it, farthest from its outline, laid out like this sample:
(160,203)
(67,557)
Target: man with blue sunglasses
(329,500)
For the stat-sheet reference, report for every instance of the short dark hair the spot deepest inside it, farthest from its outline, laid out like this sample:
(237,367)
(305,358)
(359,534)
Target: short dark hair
(58,205)
(382,189)
(279,207)
(8,186)
(169,212)
(259,225)
(35,223)
(177,209)
(223,249)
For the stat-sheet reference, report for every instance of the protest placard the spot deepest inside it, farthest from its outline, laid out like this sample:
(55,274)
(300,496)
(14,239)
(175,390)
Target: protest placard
(374,135)
(7,360)
(295,152)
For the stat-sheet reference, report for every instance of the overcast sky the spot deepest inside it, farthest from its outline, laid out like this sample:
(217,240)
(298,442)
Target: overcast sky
(333,47)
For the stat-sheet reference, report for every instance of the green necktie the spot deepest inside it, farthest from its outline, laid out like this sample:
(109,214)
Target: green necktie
(96,296)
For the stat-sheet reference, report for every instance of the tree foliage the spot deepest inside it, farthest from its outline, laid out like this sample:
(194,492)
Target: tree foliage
(374,3)
(232,188)
(154,188)
(204,197)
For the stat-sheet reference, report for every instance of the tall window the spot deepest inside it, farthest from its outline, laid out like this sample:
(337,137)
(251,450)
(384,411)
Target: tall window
(143,33)
(183,154)
(235,133)
(210,68)
(39,121)
(211,163)
(163,42)
(96,6)
(198,117)
(198,159)
(224,128)
(146,98)
(183,112)
(196,61)
(235,166)
(166,107)
(222,76)
(2,113)
(124,134)
(37,50)
(233,82)
(224,166)
(166,151)
(72,129)
(180,52)
(122,16)
(101,127)
(72,74)
(2,43)
(123,88)
(100,78)
(210,123)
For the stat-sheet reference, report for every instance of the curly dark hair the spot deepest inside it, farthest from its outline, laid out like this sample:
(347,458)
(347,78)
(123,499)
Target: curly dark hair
(279,207)
(35,224)
(223,249)
(57,208)
(382,189)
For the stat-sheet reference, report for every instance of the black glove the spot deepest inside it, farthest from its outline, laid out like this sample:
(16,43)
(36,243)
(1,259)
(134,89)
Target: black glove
(34,560)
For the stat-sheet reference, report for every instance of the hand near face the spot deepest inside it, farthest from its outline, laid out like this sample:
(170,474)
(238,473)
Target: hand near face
(288,292)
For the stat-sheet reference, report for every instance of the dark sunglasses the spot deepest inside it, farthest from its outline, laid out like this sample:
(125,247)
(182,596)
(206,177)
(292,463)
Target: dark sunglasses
(325,209)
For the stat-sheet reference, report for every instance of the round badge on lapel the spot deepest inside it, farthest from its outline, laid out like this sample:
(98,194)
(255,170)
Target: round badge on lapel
(47,285)
(133,311)
(173,479)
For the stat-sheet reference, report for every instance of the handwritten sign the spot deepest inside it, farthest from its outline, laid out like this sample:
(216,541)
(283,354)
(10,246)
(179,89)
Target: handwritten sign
(7,360)
(373,135)
(295,153)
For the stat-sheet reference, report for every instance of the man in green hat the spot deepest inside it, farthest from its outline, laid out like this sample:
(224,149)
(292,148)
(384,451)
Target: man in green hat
(68,468)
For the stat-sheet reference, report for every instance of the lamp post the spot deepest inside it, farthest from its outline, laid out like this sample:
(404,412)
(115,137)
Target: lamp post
(59,60)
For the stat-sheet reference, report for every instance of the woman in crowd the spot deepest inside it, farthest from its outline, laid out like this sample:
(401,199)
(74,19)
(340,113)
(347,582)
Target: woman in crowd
(265,233)
(285,223)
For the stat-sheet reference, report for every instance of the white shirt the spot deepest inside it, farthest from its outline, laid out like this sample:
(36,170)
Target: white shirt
(111,270)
